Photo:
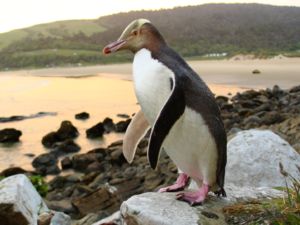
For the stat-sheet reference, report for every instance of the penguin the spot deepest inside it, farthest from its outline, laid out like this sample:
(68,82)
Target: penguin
(179,108)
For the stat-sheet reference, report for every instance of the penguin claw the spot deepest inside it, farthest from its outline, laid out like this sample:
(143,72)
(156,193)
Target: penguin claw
(181,183)
(194,198)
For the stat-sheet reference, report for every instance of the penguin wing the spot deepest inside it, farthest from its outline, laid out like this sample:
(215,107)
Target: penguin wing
(169,114)
(136,130)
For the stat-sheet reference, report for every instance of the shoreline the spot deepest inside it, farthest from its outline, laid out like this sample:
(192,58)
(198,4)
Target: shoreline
(283,72)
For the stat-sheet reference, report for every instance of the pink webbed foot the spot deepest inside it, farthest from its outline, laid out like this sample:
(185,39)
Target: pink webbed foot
(194,198)
(181,182)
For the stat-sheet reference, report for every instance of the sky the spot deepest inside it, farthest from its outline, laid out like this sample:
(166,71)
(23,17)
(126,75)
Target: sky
(16,14)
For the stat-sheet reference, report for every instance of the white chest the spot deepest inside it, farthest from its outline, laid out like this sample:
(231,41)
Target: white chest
(152,82)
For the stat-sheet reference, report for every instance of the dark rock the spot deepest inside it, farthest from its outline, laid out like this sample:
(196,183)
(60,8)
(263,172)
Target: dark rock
(9,135)
(82,116)
(67,130)
(82,161)
(12,171)
(66,147)
(108,124)
(295,89)
(117,156)
(256,71)
(46,164)
(95,131)
(96,201)
(62,206)
(50,139)
(116,143)
(66,163)
(122,125)
(19,118)
(122,115)
(30,155)
(64,181)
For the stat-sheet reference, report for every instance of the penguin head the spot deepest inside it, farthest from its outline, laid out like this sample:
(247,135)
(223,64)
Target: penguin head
(138,34)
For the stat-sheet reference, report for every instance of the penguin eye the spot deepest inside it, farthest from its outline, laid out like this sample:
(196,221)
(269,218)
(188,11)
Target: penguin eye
(135,32)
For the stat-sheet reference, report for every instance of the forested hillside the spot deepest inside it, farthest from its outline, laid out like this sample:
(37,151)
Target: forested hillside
(193,31)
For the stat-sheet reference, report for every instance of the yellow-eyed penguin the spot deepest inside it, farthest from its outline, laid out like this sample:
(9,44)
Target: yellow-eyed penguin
(180,109)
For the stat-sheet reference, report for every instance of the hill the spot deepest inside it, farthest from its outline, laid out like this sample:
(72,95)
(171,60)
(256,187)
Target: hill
(193,31)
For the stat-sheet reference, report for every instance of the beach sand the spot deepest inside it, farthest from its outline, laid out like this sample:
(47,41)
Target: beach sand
(283,72)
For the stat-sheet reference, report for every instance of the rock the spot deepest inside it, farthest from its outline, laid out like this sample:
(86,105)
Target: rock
(164,209)
(46,164)
(295,89)
(60,218)
(62,206)
(82,161)
(19,118)
(90,218)
(82,116)
(20,203)
(122,125)
(123,115)
(253,159)
(9,135)
(256,71)
(108,124)
(67,130)
(96,201)
(95,131)
(12,171)
(45,218)
(114,219)
(68,146)
(50,139)
(66,163)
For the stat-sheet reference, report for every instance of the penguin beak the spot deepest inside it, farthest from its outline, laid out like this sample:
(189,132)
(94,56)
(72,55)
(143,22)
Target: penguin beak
(113,47)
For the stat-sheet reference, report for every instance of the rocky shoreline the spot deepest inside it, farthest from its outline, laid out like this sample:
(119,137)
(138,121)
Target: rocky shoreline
(100,180)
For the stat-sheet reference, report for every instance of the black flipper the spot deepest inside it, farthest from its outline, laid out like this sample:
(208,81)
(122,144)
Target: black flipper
(170,113)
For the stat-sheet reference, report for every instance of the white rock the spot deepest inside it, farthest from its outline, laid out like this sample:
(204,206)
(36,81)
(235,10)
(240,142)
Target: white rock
(253,159)
(115,218)
(164,209)
(20,203)
(60,218)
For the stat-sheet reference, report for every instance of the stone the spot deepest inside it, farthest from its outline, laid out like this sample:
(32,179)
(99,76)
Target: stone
(20,203)
(81,162)
(82,116)
(67,130)
(98,200)
(61,206)
(163,208)
(256,71)
(68,146)
(60,218)
(253,158)
(114,219)
(90,218)
(108,124)
(46,164)
(12,171)
(66,163)
(50,139)
(95,131)
(122,125)
(9,135)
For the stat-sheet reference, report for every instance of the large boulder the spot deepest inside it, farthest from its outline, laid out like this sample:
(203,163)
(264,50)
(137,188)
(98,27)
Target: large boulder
(9,135)
(20,203)
(254,157)
(163,208)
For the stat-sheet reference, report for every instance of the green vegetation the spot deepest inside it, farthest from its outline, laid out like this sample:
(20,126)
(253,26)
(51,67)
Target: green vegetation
(194,31)
(39,184)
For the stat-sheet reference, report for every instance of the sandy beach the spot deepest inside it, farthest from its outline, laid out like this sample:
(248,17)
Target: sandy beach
(284,72)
